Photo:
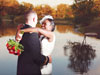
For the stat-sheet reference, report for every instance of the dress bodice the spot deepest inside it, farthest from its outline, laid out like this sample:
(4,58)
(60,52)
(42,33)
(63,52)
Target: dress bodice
(47,47)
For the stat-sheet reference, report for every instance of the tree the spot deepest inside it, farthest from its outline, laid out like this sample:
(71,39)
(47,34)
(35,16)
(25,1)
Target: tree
(9,3)
(54,13)
(43,10)
(69,13)
(97,5)
(47,10)
(61,10)
(8,7)
(39,10)
(84,12)
(28,6)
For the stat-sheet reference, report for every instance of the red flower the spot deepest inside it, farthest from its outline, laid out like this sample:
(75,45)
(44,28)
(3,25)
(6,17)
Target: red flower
(15,53)
(13,48)
(7,45)
(9,48)
(11,51)
(18,51)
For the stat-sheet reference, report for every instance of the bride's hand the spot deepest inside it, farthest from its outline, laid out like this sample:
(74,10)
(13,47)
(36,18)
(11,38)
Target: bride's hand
(18,37)
(19,26)
(50,59)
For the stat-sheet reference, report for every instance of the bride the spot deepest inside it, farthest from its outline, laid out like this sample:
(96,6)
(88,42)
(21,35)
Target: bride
(47,39)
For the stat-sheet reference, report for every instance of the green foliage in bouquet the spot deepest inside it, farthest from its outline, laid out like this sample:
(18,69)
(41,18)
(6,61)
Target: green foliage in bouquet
(22,32)
(16,45)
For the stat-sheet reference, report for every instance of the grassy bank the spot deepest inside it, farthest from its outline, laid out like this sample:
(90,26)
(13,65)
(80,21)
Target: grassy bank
(94,27)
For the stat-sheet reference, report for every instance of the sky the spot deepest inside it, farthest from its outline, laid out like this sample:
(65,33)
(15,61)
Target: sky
(52,3)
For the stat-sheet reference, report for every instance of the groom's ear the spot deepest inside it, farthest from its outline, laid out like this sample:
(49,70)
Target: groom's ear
(34,19)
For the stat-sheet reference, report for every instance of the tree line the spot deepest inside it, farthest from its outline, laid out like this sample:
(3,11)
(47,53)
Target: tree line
(12,7)
(82,12)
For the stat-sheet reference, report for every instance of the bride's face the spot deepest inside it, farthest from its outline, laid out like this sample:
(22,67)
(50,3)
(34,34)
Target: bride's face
(47,25)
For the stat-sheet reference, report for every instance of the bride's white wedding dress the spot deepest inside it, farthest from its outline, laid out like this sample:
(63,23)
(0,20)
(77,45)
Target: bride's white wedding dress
(47,48)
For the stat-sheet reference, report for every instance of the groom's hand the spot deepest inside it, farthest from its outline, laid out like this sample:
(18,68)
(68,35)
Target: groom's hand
(50,59)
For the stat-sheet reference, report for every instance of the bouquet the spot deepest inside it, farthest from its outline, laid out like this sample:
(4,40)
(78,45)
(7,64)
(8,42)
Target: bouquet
(14,47)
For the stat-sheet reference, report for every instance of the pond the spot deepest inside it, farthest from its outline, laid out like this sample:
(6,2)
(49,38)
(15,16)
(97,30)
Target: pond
(65,62)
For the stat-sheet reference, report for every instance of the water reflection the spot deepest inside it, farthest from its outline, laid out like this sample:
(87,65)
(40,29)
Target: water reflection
(64,28)
(81,56)
(7,28)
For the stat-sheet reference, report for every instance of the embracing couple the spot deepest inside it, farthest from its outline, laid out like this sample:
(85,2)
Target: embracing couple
(38,45)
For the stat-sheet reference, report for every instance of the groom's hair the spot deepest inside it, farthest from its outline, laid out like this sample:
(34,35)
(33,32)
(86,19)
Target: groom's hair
(29,15)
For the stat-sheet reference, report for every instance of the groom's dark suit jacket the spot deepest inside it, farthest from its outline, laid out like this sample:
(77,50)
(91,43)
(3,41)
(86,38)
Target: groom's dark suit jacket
(30,60)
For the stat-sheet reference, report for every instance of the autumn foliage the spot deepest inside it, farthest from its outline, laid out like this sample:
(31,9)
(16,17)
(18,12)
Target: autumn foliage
(12,7)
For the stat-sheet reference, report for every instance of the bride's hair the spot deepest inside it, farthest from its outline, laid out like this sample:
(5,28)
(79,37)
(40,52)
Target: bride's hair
(52,23)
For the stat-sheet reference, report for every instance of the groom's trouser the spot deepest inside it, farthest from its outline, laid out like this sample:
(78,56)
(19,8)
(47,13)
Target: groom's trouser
(26,66)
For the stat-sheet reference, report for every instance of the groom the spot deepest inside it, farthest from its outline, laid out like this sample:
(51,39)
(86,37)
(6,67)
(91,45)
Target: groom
(30,61)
